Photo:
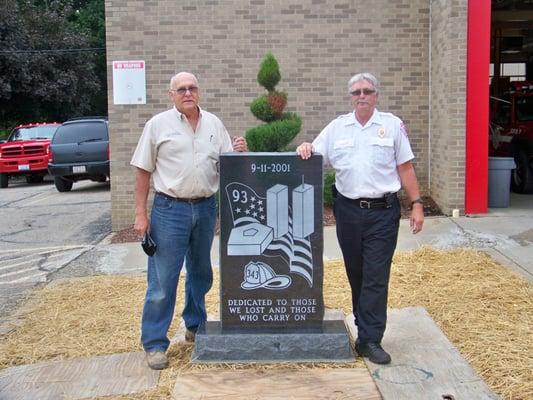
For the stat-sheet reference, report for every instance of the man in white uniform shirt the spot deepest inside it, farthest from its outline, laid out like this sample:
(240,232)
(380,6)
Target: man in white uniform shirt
(371,155)
(179,149)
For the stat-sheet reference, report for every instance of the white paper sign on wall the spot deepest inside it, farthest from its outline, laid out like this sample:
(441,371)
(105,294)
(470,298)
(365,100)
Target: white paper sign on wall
(129,82)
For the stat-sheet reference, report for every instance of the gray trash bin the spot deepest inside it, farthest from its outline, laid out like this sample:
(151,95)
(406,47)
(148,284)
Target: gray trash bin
(500,181)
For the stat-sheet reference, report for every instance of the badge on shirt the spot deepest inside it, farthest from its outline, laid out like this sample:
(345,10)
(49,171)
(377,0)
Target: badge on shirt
(381,132)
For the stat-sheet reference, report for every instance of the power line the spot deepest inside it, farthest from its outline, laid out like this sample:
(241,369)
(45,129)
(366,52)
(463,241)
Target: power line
(52,51)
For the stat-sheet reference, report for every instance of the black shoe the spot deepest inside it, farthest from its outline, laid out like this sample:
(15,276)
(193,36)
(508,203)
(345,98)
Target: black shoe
(373,351)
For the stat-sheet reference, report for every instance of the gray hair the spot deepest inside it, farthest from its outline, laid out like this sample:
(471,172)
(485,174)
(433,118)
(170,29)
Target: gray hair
(367,76)
(180,75)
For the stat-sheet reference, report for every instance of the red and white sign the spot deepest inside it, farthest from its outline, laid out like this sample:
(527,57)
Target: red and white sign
(129,82)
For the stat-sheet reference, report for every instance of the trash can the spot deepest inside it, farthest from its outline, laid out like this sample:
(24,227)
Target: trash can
(500,181)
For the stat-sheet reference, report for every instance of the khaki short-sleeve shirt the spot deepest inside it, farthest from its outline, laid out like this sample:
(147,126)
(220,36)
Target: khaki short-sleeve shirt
(184,163)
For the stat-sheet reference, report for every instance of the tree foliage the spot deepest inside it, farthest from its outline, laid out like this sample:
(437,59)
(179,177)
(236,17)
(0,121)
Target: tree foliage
(269,75)
(43,73)
(280,127)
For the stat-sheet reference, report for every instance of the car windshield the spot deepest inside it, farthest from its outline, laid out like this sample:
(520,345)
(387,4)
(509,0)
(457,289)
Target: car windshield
(500,111)
(32,133)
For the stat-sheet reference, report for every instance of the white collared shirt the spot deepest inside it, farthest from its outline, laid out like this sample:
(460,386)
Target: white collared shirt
(184,163)
(365,157)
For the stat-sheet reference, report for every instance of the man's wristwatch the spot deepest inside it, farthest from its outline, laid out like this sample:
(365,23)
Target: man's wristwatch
(418,200)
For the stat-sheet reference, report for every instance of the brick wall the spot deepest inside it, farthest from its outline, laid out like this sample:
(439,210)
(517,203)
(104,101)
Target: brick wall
(319,45)
(448,103)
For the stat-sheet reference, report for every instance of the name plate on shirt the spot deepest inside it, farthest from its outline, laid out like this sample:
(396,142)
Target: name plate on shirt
(271,241)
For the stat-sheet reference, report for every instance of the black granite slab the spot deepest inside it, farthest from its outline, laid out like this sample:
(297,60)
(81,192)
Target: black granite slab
(327,343)
(271,268)
(271,240)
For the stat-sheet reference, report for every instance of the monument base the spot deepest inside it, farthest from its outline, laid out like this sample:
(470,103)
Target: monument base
(329,343)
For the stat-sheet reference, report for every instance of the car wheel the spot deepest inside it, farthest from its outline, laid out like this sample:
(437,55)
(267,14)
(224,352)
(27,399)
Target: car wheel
(62,185)
(3,180)
(522,175)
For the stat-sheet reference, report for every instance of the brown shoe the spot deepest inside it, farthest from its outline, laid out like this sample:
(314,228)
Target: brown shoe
(190,336)
(156,359)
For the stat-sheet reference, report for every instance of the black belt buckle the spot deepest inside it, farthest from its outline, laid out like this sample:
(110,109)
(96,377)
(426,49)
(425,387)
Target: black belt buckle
(364,204)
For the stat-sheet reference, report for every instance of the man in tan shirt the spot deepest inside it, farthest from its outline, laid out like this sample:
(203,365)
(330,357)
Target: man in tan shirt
(179,148)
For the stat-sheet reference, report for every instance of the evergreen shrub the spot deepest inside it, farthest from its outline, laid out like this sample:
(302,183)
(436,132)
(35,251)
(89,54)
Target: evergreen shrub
(280,127)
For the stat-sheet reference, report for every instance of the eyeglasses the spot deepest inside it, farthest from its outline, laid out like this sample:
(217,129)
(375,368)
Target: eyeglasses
(182,91)
(366,92)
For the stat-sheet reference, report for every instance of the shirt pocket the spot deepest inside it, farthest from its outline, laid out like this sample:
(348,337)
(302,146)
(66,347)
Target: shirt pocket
(342,153)
(211,154)
(382,150)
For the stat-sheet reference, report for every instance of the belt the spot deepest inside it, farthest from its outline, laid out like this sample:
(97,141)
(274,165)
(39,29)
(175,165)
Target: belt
(381,202)
(184,200)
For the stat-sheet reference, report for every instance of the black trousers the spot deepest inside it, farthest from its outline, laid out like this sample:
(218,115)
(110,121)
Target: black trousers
(367,238)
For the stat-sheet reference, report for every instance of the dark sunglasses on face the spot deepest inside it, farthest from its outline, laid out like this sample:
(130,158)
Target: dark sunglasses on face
(366,92)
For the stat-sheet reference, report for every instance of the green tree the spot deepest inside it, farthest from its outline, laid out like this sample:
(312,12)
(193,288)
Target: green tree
(44,72)
(280,127)
(90,18)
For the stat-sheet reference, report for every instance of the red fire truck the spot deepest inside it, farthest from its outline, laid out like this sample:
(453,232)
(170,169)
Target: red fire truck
(511,131)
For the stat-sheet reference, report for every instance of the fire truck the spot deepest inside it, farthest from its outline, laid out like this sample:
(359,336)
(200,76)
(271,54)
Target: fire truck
(26,152)
(511,131)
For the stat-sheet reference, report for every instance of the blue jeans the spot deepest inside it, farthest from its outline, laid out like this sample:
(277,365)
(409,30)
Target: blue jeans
(181,231)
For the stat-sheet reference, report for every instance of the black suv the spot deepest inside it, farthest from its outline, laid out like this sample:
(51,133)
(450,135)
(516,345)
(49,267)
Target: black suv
(80,151)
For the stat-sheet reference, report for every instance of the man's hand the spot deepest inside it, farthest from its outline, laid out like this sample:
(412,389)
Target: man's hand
(305,150)
(141,225)
(417,218)
(239,144)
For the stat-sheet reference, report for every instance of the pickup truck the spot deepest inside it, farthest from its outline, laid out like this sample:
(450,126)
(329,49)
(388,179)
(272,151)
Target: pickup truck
(79,151)
(511,131)
(26,152)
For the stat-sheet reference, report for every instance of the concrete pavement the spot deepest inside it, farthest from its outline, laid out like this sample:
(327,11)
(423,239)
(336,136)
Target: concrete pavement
(506,234)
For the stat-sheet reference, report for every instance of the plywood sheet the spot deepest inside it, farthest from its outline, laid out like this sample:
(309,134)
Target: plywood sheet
(425,364)
(80,378)
(326,384)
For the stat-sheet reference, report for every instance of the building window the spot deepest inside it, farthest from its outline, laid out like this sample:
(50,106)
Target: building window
(515,71)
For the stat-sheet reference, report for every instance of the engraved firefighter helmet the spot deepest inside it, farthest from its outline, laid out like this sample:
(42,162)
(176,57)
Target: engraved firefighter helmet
(260,275)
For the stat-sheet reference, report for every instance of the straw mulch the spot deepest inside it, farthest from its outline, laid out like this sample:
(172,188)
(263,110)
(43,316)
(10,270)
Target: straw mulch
(484,309)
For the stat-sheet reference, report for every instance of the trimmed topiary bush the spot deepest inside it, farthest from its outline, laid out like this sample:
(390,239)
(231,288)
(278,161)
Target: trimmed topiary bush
(280,127)
(269,75)
(275,135)
(262,110)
